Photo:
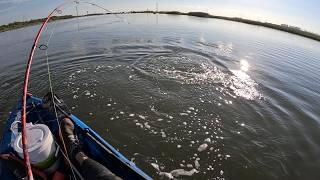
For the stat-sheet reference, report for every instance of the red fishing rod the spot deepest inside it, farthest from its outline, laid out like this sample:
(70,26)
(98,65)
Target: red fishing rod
(25,92)
(26,82)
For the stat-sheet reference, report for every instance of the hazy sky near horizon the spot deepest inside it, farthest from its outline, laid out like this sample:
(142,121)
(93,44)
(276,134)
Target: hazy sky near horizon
(305,14)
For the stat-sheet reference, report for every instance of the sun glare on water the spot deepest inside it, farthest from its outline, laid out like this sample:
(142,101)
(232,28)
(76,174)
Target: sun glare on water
(244,65)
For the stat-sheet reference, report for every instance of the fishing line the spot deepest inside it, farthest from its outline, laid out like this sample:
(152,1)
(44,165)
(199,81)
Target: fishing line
(72,166)
(53,101)
(107,10)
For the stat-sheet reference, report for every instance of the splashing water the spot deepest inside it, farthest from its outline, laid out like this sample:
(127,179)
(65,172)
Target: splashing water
(198,70)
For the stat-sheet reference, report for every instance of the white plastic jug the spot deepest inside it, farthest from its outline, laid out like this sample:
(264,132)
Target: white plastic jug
(41,147)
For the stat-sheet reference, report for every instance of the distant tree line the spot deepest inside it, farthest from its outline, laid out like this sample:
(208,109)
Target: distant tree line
(17,25)
(282,27)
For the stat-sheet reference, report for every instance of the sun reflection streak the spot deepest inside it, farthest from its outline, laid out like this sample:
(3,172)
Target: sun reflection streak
(244,65)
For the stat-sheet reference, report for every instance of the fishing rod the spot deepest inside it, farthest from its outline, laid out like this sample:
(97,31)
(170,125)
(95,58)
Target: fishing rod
(26,82)
(25,92)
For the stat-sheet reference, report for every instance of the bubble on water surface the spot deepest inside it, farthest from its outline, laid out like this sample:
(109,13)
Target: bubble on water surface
(139,125)
(147,125)
(184,114)
(221,172)
(196,164)
(87,93)
(202,147)
(156,166)
(163,134)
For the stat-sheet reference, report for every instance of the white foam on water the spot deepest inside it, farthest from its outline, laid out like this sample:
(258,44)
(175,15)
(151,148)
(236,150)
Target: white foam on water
(196,164)
(142,117)
(139,125)
(189,165)
(166,174)
(182,172)
(184,114)
(221,172)
(131,115)
(156,166)
(210,168)
(163,134)
(202,147)
(147,125)
(227,156)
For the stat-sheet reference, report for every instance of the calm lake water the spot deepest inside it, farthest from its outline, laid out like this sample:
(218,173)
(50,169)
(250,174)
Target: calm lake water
(226,99)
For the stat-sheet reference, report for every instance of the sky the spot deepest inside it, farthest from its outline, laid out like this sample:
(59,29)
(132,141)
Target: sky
(301,13)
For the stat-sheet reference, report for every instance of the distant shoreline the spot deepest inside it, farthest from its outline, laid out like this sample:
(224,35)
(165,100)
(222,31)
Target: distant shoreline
(22,24)
(283,27)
